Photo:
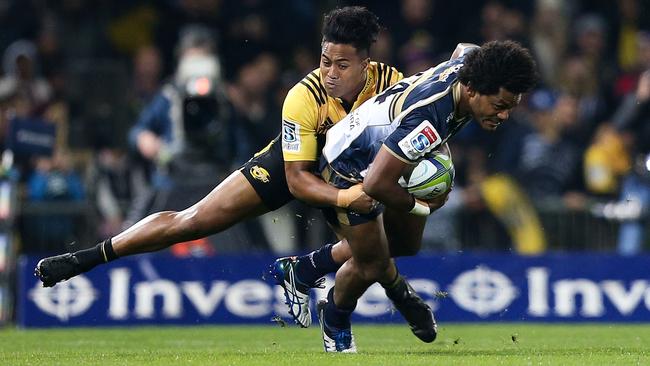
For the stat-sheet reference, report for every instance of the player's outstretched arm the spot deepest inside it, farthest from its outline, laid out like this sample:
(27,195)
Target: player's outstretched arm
(309,188)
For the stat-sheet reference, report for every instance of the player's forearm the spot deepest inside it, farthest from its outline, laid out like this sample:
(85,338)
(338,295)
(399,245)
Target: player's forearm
(381,180)
(389,193)
(309,188)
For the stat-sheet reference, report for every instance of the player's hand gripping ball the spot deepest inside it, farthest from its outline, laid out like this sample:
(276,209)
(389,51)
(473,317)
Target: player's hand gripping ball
(432,177)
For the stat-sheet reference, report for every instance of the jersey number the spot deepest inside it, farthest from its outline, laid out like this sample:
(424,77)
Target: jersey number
(397,88)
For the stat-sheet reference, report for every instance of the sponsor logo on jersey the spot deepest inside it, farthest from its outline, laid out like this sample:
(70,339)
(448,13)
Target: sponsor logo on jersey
(354,120)
(421,140)
(290,136)
(260,174)
(450,117)
(289,131)
(425,138)
(450,70)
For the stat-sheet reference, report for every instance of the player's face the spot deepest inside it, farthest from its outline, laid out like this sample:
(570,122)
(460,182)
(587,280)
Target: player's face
(343,70)
(491,110)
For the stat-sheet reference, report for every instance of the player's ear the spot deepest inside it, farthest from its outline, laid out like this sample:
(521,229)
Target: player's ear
(471,92)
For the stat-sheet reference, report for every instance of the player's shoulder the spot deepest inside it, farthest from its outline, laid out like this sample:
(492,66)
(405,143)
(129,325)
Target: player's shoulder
(310,88)
(462,49)
(382,68)
(384,75)
(440,77)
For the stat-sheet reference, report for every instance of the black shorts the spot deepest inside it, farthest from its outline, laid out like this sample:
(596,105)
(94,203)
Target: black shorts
(265,172)
(337,216)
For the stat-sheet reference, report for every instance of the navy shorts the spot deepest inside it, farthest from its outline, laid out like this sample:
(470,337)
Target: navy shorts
(337,216)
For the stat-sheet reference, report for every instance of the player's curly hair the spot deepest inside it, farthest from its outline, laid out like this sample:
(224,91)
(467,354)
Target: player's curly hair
(353,25)
(499,64)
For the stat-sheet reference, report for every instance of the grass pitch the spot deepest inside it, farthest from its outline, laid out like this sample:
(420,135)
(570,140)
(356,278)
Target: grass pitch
(457,344)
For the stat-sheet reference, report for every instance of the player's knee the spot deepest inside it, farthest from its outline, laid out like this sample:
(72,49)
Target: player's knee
(373,270)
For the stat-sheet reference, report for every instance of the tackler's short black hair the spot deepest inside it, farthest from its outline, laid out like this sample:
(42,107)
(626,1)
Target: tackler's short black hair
(354,25)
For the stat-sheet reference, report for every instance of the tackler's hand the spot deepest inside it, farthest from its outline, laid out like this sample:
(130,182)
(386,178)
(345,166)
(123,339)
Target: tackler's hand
(355,199)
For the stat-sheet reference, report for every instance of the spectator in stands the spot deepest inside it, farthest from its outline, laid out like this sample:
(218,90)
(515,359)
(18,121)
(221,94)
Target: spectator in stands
(190,117)
(116,182)
(633,117)
(588,74)
(547,164)
(256,110)
(22,82)
(53,181)
(27,96)
(147,68)
(549,37)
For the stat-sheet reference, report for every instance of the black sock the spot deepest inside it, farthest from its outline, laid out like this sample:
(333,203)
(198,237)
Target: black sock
(316,264)
(91,257)
(337,317)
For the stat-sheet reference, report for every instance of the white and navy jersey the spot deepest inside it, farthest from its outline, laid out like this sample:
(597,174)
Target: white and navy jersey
(411,118)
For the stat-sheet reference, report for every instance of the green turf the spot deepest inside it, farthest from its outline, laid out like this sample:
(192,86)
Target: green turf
(457,344)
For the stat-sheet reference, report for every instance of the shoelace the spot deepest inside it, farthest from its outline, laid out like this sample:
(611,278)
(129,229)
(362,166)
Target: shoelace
(291,294)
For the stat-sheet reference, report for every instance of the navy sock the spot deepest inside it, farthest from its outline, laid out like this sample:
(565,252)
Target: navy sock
(397,289)
(100,253)
(337,317)
(316,264)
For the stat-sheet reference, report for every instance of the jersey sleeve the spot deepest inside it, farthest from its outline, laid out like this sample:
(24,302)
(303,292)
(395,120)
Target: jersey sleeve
(299,124)
(415,137)
(386,76)
(395,76)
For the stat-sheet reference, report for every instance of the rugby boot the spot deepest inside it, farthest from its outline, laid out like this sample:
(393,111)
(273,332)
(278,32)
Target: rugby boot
(334,339)
(414,310)
(53,270)
(296,293)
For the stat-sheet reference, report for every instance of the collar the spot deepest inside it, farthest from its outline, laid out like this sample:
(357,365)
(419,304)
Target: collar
(456,92)
(370,81)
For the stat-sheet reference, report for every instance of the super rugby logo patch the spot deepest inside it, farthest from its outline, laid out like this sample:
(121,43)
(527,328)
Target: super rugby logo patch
(290,136)
(422,139)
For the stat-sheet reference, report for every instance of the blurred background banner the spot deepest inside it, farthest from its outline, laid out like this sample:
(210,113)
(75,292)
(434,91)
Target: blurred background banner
(160,289)
(28,137)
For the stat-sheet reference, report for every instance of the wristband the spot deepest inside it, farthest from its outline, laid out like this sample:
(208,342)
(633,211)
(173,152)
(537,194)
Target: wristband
(345,197)
(420,208)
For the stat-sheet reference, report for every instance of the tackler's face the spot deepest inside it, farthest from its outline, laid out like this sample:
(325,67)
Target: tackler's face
(492,110)
(343,68)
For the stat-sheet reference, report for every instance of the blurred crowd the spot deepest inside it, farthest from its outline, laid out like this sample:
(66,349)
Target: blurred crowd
(129,107)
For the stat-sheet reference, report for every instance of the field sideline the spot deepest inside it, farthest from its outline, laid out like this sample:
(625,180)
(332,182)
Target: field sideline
(457,344)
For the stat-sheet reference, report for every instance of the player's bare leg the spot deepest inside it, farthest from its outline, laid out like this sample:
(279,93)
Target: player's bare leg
(404,233)
(370,263)
(299,274)
(232,201)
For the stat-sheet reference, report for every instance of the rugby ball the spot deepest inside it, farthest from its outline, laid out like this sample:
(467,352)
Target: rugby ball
(432,177)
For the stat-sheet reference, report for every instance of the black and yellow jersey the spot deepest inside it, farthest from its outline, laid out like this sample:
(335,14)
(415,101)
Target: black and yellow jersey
(308,112)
